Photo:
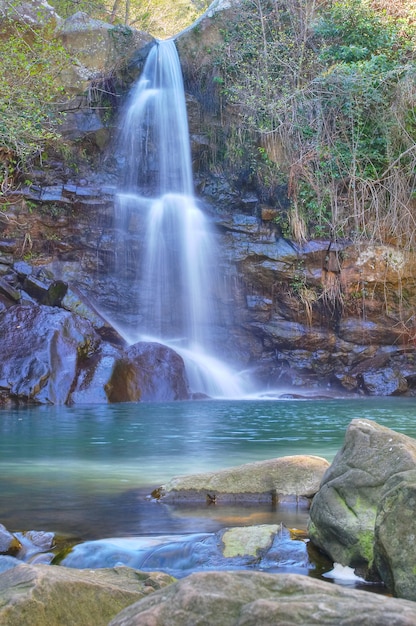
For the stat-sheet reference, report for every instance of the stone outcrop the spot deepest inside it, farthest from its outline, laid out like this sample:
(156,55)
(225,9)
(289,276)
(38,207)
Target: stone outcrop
(52,356)
(57,596)
(40,350)
(332,316)
(283,478)
(98,51)
(236,598)
(363,513)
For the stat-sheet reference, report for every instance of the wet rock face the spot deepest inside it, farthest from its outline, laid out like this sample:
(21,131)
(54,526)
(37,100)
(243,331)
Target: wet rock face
(39,351)
(276,316)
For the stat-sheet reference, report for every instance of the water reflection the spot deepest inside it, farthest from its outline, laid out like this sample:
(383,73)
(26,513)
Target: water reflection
(87,470)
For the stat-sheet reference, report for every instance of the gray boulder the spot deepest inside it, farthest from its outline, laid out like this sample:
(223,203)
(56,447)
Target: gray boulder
(96,46)
(252,598)
(344,511)
(395,535)
(58,596)
(93,375)
(272,480)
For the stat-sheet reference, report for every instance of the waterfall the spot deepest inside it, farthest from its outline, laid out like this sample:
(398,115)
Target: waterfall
(176,274)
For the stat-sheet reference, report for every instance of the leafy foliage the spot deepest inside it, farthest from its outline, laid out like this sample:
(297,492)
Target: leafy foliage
(328,91)
(161,18)
(31,61)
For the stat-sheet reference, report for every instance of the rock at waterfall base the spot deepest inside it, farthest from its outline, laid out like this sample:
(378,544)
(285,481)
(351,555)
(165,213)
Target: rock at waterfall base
(39,352)
(148,371)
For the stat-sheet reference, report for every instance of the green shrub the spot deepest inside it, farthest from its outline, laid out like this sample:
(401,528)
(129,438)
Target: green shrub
(328,90)
(29,89)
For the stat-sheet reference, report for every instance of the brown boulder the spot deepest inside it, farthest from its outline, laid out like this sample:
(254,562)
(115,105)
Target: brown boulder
(148,371)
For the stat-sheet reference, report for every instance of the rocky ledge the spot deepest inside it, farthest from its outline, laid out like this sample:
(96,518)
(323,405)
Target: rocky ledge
(290,477)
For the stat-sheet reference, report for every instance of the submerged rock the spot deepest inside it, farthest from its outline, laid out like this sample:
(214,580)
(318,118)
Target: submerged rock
(370,485)
(272,480)
(253,598)
(248,540)
(269,547)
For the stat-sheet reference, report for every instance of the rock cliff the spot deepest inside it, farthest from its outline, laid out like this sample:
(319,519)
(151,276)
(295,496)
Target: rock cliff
(334,316)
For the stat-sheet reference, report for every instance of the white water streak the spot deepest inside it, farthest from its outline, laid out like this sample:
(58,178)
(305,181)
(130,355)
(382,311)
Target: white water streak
(177,272)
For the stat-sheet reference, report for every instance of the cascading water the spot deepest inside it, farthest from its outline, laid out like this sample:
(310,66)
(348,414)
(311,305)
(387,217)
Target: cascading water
(175,275)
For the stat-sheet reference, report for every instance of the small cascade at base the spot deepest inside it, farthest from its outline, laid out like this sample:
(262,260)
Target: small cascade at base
(174,272)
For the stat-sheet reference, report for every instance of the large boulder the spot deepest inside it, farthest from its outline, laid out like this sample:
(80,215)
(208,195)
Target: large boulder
(395,535)
(252,598)
(344,511)
(148,371)
(96,46)
(58,596)
(32,12)
(40,350)
(271,480)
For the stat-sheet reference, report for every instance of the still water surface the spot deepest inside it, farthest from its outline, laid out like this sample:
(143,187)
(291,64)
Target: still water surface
(85,471)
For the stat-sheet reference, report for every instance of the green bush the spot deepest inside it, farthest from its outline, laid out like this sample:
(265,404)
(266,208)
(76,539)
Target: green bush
(29,89)
(328,90)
